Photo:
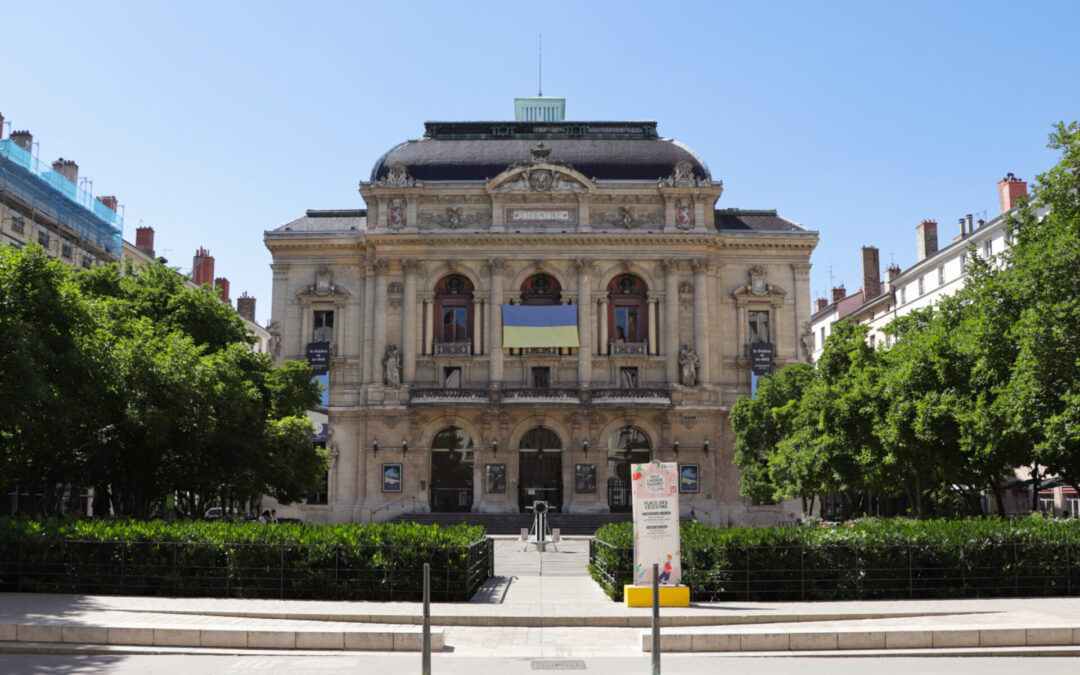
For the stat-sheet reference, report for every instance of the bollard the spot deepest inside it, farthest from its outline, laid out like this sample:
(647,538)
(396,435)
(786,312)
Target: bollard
(656,619)
(425,658)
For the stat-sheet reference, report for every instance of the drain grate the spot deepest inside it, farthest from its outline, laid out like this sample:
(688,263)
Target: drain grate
(558,664)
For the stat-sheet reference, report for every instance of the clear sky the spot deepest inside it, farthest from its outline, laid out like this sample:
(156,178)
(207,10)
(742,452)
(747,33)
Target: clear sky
(215,121)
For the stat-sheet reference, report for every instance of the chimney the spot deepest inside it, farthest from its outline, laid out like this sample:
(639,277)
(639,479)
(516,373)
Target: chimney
(838,293)
(1010,188)
(871,273)
(891,272)
(245,307)
(144,236)
(221,285)
(926,238)
(963,230)
(111,202)
(820,304)
(970,224)
(202,268)
(67,168)
(23,139)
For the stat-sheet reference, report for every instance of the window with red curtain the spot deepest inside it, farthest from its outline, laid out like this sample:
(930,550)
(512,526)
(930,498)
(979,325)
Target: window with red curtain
(453,309)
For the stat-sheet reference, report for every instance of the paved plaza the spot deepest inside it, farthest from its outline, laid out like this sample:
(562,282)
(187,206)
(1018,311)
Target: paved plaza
(540,607)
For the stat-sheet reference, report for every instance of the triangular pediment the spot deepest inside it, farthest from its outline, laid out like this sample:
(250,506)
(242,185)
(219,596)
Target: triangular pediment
(540,177)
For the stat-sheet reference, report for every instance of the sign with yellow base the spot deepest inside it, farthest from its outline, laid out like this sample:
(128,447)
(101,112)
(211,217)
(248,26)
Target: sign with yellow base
(670,596)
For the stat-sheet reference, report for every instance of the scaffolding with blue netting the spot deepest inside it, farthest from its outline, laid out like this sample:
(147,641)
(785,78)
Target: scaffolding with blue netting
(49,192)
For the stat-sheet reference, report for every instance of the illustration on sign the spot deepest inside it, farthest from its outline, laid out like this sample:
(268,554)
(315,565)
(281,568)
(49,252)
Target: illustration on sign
(655,488)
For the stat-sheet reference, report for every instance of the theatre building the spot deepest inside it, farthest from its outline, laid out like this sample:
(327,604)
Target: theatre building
(524,309)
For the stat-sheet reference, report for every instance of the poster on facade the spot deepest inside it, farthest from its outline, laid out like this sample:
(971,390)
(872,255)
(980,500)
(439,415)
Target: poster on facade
(318,357)
(655,489)
(761,358)
(584,478)
(496,477)
(391,478)
(689,478)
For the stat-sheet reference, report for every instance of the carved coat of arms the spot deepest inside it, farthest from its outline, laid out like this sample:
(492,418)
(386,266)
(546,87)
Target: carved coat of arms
(397,213)
(684,214)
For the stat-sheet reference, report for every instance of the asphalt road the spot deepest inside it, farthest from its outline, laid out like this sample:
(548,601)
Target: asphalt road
(387,664)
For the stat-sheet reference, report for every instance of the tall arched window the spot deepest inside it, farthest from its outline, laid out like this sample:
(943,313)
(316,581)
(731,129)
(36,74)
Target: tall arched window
(453,309)
(626,446)
(627,314)
(541,289)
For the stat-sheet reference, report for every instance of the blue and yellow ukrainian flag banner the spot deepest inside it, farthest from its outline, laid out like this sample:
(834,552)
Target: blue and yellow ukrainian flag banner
(539,326)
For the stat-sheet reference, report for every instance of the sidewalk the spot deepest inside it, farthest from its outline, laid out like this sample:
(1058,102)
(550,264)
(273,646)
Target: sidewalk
(538,605)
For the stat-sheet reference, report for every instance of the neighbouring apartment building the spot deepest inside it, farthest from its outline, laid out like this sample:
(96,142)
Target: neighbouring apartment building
(524,309)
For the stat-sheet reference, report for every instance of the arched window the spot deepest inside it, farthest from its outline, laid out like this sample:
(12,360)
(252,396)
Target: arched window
(540,438)
(541,289)
(452,438)
(454,309)
(627,314)
(626,446)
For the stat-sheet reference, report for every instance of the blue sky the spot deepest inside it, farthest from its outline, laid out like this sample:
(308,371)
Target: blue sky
(215,121)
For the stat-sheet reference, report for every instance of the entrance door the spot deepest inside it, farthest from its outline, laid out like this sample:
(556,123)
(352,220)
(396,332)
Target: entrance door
(540,468)
(452,471)
(626,447)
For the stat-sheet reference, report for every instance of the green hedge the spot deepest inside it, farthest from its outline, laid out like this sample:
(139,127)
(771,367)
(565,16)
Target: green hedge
(251,560)
(869,559)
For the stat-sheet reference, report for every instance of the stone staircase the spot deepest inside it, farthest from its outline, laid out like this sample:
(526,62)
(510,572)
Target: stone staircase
(512,523)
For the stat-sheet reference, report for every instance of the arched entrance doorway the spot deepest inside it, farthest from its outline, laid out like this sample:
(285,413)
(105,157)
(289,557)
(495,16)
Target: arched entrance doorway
(540,468)
(452,471)
(626,446)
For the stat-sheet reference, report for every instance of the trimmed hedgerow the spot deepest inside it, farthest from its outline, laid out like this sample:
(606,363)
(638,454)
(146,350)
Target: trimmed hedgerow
(251,560)
(869,559)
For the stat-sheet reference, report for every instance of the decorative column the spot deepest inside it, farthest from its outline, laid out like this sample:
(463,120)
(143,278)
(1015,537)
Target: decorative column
(602,310)
(671,318)
(585,321)
(429,326)
(368,346)
(477,343)
(654,347)
(701,326)
(378,347)
(409,268)
(496,266)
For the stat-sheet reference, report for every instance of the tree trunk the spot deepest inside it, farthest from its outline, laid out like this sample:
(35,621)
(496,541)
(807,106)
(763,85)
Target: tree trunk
(999,500)
(1035,484)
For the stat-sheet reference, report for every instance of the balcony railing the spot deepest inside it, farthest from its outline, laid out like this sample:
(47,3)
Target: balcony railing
(633,396)
(545,395)
(560,396)
(449,396)
(628,349)
(453,348)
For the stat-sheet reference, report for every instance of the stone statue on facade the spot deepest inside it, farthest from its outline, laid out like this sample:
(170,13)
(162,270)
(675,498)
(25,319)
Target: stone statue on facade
(275,339)
(689,362)
(392,366)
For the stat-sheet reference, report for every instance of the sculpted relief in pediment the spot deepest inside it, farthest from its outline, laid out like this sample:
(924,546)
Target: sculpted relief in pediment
(540,178)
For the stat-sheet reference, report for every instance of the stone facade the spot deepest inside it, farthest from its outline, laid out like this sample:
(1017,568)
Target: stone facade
(408,293)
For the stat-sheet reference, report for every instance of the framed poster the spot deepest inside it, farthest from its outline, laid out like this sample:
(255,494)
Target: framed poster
(495,478)
(689,478)
(584,478)
(391,477)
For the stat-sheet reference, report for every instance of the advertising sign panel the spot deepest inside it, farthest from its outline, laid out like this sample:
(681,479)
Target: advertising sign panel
(761,357)
(318,356)
(655,487)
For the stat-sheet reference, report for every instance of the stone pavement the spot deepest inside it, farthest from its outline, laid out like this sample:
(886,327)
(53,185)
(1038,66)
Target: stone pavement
(540,605)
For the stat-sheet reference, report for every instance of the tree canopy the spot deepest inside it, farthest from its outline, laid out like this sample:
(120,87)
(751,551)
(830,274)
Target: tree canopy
(986,381)
(142,387)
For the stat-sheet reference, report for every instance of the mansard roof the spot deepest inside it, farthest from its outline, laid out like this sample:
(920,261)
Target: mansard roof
(754,220)
(483,150)
(338,220)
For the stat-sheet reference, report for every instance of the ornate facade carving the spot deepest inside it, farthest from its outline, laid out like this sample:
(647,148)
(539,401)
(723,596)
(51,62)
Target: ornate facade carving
(684,213)
(627,217)
(397,176)
(540,178)
(396,214)
(683,176)
(323,287)
(454,217)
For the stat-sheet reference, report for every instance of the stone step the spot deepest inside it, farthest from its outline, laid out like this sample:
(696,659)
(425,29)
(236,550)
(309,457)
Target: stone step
(807,638)
(311,635)
(569,524)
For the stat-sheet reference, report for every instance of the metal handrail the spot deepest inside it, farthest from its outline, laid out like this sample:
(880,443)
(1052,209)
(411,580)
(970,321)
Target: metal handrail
(386,507)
